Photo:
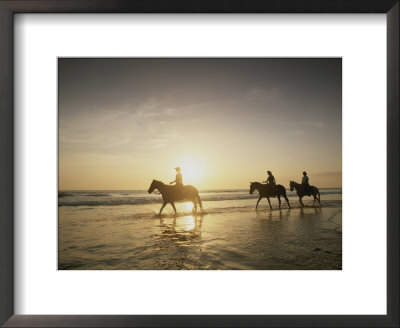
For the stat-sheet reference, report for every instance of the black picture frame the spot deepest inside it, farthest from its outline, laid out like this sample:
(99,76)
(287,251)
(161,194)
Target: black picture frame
(10,7)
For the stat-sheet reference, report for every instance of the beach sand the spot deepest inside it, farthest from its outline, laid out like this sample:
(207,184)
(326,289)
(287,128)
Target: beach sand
(223,237)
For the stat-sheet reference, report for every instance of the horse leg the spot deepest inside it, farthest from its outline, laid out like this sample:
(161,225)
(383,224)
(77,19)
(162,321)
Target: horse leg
(284,196)
(301,201)
(287,201)
(199,202)
(315,198)
(279,198)
(258,202)
(162,207)
(269,203)
(194,209)
(173,206)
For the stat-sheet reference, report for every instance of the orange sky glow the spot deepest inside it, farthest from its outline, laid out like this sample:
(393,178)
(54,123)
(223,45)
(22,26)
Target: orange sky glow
(225,122)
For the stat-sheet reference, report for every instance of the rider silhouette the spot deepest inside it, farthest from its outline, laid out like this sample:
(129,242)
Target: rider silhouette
(178,181)
(305,184)
(271,181)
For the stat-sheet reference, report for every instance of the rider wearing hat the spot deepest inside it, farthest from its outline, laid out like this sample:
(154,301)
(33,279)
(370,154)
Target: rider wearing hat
(304,182)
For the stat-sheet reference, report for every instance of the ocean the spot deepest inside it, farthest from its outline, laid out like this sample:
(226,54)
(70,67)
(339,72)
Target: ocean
(121,230)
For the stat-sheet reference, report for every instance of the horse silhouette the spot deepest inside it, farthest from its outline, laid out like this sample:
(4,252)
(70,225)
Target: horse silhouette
(171,194)
(265,191)
(301,192)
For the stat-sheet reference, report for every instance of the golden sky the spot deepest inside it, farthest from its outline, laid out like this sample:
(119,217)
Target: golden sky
(225,122)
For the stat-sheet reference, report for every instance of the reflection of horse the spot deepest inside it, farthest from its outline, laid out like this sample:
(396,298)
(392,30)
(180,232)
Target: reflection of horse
(311,211)
(265,190)
(178,242)
(274,215)
(301,192)
(187,229)
(171,194)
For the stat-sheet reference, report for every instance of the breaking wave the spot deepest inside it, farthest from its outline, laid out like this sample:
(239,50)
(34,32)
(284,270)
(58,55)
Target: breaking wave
(114,198)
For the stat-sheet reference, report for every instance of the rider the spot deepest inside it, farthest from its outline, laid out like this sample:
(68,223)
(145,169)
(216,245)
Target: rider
(304,182)
(271,181)
(178,180)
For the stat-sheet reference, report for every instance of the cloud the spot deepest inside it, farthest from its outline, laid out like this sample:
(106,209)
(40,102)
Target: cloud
(147,127)
(313,124)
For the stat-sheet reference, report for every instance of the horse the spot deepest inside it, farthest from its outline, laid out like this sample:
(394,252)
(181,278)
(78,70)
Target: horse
(264,190)
(301,192)
(171,194)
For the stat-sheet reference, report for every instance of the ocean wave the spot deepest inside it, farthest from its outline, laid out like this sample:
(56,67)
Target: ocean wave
(108,202)
(141,198)
(137,201)
(63,194)
(330,192)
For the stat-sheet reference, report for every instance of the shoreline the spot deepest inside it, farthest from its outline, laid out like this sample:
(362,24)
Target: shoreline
(111,238)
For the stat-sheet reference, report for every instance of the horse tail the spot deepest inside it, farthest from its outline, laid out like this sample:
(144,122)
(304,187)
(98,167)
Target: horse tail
(199,201)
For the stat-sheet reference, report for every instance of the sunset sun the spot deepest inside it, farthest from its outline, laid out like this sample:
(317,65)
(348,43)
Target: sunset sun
(192,170)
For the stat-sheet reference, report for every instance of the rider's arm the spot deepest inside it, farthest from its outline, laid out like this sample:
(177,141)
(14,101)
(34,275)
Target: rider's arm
(172,182)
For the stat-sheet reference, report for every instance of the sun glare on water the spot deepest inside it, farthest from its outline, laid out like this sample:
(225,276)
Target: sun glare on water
(188,206)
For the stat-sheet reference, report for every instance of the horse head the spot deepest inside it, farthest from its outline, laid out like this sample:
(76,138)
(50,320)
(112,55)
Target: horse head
(252,187)
(154,185)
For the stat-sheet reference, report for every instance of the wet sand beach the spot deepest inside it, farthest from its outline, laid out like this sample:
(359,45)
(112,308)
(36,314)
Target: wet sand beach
(229,235)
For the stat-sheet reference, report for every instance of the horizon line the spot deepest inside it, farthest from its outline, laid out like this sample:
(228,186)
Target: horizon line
(198,189)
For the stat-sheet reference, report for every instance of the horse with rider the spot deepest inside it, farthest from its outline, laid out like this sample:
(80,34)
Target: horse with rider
(269,188)
(178,192)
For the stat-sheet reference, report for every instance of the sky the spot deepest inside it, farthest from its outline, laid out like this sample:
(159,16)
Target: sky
(225,121)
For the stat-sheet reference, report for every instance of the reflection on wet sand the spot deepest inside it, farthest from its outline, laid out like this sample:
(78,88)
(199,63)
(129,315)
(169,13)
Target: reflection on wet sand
(179,240)
(182,229)
(274,214)
(226,236)
(310,210)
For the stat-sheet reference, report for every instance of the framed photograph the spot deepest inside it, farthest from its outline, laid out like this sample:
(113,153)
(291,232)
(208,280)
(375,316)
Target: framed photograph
(172,115)
(196,164)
